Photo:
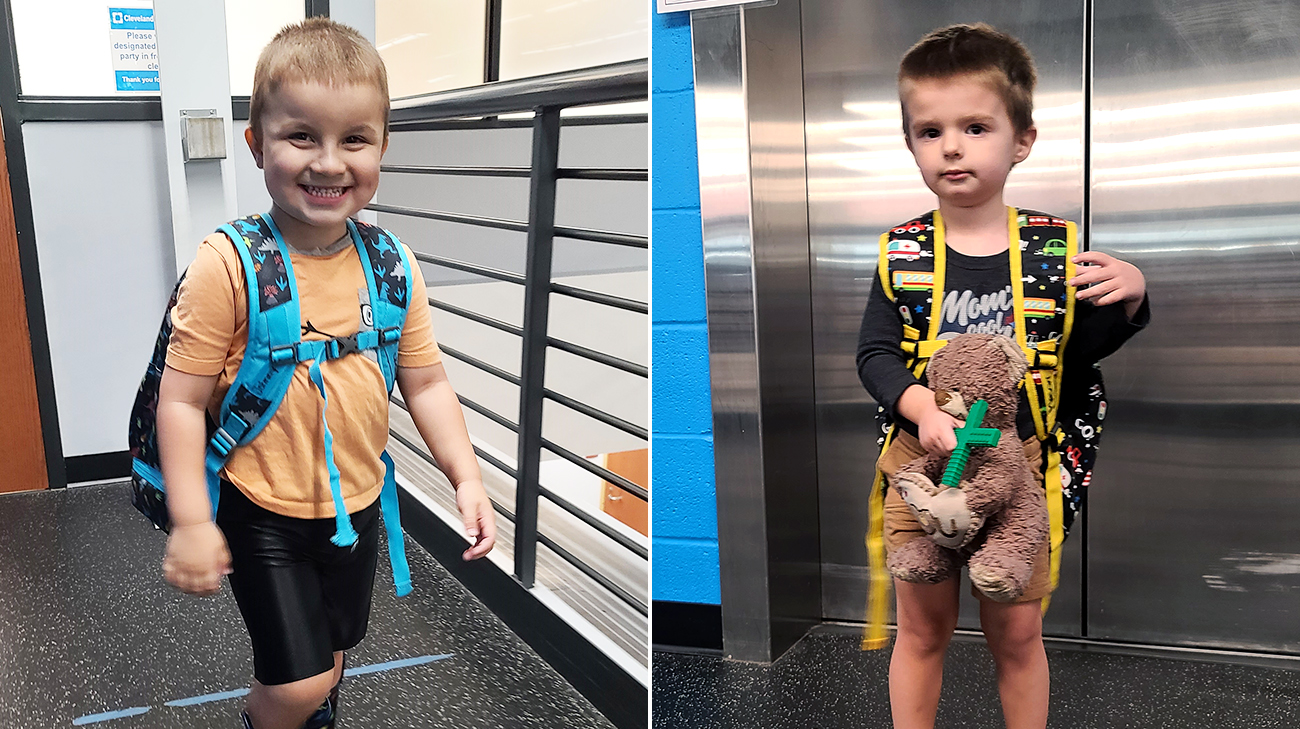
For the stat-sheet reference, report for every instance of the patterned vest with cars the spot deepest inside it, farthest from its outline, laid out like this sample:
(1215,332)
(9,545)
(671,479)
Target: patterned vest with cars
(1067,409)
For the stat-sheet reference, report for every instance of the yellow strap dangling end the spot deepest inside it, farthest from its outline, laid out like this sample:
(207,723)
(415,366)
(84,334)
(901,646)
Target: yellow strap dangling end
(875,637)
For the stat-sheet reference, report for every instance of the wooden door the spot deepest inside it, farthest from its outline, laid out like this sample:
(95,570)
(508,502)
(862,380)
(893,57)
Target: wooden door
(620,504)
(22,451)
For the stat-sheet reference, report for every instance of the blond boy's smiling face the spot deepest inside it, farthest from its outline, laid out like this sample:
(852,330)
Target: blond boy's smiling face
(962,138)
(319,149)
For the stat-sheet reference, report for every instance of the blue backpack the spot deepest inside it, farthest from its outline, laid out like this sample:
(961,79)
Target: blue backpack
(275,348)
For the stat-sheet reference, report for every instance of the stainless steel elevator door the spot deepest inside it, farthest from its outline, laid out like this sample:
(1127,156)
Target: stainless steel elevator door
(1192,537)
(862,180)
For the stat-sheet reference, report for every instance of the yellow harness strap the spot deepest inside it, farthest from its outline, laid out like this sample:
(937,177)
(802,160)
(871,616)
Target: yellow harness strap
(875,637)
(1043,357)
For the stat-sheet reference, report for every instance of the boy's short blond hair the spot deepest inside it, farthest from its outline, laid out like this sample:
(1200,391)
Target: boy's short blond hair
(978,50)
(319,50)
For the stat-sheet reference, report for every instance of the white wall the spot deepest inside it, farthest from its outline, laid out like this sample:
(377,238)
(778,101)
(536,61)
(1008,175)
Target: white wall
(104,245)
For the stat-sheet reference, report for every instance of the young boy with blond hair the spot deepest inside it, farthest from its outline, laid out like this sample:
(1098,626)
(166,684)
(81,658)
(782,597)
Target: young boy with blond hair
(967,101)
(318,127)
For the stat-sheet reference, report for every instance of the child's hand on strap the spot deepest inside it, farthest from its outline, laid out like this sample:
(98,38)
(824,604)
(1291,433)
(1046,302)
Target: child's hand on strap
(480,522)
(1109,280)
(197,558)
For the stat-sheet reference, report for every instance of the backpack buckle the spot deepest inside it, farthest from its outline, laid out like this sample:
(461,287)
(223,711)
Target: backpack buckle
(342,346)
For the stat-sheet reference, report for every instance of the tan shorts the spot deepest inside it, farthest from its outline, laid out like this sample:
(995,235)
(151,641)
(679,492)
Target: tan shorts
(901,526)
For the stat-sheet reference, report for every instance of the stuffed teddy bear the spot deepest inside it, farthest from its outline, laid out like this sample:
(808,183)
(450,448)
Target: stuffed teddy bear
(996,522)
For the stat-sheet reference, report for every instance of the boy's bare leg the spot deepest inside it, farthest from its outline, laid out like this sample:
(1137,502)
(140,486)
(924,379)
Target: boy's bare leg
(927,615)
(287,706)
(1015,636)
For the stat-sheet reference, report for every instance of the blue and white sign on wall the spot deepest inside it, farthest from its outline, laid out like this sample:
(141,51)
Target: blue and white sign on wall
(135,48)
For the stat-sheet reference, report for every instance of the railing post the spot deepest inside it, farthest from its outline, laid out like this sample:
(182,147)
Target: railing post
(537,291)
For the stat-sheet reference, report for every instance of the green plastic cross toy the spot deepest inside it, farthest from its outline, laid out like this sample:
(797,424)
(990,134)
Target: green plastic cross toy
(969,436)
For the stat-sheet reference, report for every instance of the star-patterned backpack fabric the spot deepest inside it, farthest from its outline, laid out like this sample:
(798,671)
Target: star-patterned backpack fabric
(1067,404)
(275,349)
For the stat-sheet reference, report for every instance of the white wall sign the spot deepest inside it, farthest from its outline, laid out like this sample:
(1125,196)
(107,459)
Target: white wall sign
(673,6)
(135,48)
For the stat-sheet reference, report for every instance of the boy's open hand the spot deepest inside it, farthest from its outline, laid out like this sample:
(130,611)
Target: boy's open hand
(197,558)
(480,522)
(1109,280)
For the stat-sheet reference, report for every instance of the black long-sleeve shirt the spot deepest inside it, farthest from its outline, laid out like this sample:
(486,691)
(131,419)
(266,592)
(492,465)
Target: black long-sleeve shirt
(977,298)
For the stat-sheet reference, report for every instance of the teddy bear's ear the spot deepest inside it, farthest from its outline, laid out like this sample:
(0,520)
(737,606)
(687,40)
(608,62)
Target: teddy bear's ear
(1015,358)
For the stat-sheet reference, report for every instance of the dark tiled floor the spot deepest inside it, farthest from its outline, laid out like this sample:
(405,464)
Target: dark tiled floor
(87,625)
(826,681)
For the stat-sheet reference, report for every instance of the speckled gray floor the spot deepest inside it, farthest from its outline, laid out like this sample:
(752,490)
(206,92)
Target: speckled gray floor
(826,681)
(87,625)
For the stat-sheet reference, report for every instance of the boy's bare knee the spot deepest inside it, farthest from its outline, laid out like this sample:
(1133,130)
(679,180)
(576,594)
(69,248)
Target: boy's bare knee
(1014,632)
(307,693)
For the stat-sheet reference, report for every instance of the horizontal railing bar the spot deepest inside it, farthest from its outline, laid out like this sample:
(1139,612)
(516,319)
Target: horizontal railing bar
(622,174)
(476,317)
(615,174)
(493,122)
(639,549)
(587,570)
(601,415)
(603,473)
(479,364)
(618,302)
(603,236)
(477,270)
(476,220)
(468,170)
(503,511)
(627,81)
(605,359)
(488,413)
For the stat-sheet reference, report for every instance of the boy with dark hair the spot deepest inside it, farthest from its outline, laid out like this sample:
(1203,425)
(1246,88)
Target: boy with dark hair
(976,265)
(297,523)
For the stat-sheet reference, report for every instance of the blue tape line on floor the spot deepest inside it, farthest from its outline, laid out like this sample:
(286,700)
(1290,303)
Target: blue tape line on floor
(109,715)
(221,696)
(377,667)
(208,697)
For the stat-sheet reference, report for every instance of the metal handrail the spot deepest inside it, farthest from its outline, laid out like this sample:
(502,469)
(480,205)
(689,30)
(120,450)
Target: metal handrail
(479,220)
(590,467)
(597,414)
(546,96)
(589,571)
(474,316)
(479,364)
(608,360)
(609,84)
(467,267)
(613,174)
(598,297)
(419,452)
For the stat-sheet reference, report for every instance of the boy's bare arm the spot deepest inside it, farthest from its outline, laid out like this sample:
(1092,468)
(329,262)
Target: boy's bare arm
(197,556)
(436,412)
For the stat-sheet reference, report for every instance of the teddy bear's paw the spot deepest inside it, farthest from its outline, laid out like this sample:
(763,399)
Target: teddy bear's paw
(950,518)
(997,585)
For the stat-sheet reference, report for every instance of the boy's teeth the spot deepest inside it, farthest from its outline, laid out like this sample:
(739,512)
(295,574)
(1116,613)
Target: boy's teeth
(324,191)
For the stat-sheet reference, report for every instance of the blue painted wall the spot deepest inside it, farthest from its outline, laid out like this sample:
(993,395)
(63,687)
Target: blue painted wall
(685,517)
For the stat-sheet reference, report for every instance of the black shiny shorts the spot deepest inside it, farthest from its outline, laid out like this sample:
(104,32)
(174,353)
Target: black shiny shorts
(302,598)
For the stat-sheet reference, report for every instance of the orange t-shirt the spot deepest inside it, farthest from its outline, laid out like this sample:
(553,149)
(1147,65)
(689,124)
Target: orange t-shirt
(283,469)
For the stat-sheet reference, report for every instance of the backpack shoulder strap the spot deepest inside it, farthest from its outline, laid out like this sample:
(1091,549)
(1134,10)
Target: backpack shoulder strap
(273,324)
(388,274)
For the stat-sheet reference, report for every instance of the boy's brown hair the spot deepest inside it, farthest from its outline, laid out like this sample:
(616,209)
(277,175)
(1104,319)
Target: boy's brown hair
(320,50)
(979,50)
